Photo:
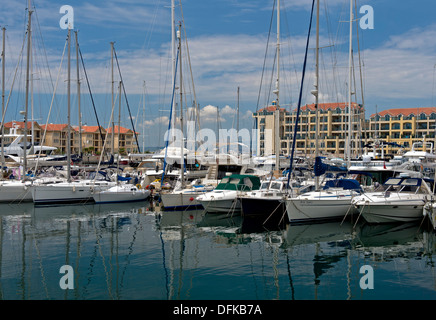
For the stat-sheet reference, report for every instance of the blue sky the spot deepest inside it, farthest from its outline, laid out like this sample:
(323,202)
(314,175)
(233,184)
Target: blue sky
(227,41)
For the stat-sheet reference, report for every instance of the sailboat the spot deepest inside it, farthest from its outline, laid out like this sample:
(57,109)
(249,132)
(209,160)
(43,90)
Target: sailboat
(71,191)
(182,197)
(121,192)
(331,202)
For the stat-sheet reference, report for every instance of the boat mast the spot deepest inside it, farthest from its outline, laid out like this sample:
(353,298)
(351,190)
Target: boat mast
(349,86)
(316,91)
(78,94)
(182,159)
(277,92)
(3,101)
(112,97)
(27,91)
(173,59)
(69,107)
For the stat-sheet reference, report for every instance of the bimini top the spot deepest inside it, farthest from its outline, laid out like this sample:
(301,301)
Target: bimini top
(239,182)
(347,184)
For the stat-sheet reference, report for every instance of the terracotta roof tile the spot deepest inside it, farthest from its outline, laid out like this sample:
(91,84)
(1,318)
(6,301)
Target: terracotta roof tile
(405,111)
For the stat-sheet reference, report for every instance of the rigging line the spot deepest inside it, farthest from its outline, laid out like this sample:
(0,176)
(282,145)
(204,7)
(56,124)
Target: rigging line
(12,85)
(190,67)
(51,104)
(169,121)
(90,93)
(127,102)
(299,98)
(265,56)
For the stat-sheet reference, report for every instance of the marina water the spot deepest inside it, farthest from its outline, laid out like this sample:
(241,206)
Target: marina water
(135,251)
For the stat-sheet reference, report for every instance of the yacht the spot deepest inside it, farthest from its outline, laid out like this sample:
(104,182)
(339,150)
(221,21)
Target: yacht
(331,202)
(401,200)
(225,197)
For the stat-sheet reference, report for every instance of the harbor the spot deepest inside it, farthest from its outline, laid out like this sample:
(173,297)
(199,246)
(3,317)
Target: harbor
(117,184)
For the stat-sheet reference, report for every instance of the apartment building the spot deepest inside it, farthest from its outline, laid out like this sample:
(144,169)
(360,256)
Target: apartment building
(332,131)
(400,127)
(92,137)
(403,127)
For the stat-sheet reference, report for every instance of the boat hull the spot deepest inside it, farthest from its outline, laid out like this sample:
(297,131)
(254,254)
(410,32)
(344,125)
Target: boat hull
(15,191)
(108,196)
(231,206)
(67,193)
(263,207)
(302,210)
(181,201)
(395,211)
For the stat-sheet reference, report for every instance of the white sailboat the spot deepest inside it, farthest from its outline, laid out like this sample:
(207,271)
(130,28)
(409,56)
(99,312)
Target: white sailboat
(332,202)
(121,193)
(70,191)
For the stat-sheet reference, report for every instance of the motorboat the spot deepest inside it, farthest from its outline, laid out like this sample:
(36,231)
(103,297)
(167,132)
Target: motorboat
(331,202)
(121,193)
(402,200)
(266,202)
(225,197)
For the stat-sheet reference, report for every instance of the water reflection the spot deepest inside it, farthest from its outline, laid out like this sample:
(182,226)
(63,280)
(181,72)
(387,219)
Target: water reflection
(134,251)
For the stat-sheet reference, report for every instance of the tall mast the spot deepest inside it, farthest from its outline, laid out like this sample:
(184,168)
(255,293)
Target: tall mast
(277,92)
(112,95)
(237,116)
(316,91)
(27,91)
(350,129)
(143,120)
(173,60)
(78,94)
(3,100)
(182,158)
(69,107)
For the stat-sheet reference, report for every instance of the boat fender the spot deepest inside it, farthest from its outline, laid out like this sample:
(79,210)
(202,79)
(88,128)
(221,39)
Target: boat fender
(191,199)
(138,186)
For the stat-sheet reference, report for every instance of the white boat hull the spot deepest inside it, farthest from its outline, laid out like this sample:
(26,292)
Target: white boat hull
(121,194)
(406,210)
(230,206)
(308,209)
(68,192)
(181,200)
(11,191)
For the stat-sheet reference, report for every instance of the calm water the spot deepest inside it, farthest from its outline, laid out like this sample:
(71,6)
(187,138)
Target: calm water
(130,251)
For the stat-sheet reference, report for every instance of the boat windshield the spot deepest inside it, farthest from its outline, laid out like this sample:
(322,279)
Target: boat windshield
(275,186)
(264,185)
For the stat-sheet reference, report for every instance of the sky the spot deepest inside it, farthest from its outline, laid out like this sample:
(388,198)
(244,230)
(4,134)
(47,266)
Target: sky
(230,44)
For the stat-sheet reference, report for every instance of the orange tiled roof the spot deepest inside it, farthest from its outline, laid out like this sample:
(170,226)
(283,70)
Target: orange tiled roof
(122,130)
(92,129)
(329,106)
(271,109)
(406,111)
(20,124)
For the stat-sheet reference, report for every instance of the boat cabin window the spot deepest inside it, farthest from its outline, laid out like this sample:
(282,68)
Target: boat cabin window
(276,186)
(264,185)
(393,181)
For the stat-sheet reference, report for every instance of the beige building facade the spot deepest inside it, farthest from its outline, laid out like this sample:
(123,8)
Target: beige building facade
(400,127)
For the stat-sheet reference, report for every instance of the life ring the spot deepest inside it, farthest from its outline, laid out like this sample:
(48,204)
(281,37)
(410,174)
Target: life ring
(139,186)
